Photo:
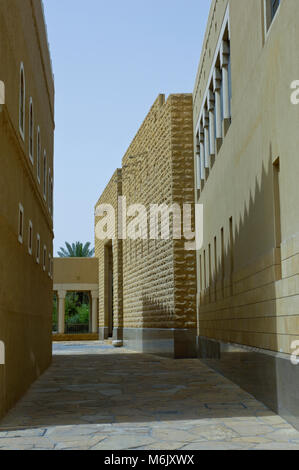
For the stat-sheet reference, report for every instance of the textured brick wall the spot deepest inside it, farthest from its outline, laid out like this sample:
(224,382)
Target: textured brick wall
(148,265)
(183,193)
(110,196)
(159,276)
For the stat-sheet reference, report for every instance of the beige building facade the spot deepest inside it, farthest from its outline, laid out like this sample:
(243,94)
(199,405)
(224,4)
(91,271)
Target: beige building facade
(26,195)
(76,275)
(147,285)
(246,160)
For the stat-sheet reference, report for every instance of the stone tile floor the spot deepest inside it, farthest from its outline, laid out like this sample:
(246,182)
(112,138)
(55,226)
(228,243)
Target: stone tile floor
(97,397)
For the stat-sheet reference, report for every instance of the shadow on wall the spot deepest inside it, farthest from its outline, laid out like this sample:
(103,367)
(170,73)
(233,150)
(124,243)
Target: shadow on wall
(239,306)
(155,314)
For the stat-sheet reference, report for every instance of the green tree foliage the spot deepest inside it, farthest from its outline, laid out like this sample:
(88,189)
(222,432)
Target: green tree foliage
(76,250)
(76,309)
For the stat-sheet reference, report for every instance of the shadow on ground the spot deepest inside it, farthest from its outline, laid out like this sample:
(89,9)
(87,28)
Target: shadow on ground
(97,384)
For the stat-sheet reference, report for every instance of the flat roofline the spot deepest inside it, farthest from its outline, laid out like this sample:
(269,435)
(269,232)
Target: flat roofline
(203,48)
(161,100)
(47,38)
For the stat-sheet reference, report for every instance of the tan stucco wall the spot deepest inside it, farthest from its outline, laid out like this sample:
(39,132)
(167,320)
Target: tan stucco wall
(26,290)
(159,277)
(75,271)
(261,310)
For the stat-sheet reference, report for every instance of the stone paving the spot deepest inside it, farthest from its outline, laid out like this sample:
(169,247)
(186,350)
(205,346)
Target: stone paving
(97,397)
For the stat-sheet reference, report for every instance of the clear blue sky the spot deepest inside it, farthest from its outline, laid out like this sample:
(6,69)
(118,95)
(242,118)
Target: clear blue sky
(111,59)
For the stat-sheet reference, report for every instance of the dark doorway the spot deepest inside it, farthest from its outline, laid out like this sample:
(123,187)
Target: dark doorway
(109,287)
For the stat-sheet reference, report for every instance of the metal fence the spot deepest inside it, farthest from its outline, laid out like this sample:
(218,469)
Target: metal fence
(76,329)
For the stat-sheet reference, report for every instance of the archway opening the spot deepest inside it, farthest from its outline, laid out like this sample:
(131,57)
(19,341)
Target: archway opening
(77,317)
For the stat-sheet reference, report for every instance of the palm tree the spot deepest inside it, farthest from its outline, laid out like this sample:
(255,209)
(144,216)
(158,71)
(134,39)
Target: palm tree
(76,250)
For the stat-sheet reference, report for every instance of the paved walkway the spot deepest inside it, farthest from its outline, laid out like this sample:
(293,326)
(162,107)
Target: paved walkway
(97,397)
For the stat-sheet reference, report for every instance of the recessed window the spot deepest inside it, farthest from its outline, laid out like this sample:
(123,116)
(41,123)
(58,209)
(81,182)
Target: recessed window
(271,8)
(51,197)
(31,131)
(49,190)
(44,257)
(222,261)
(30,237)
(274,7)
(2,93)
(50,266)
(21,223)
(216,108)
(45,175)
(22,102)
(38,154)
(231,250)
(38,248)
(229,82)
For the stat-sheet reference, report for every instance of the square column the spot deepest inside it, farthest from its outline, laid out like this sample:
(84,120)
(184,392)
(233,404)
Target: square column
(61,311)
(94,311)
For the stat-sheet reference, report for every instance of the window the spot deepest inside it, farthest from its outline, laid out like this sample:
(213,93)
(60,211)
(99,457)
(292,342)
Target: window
(215,267)
(45,175)
(215,123)
(38,248)
(21,223)
(274,7)
(271,7)
(44,257)
(229,82)
(38,154)
(30,235)
(231,249)
(276,195)
(222,261)
(210,272)
(198,168)
(226,88)
(221,101)
(49,190)
(50,266)
(215,114)
(51,197)
(203,153)
(31,131)
(2,93)
(206,125)
(200,272)
(22,102)
(205,269)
